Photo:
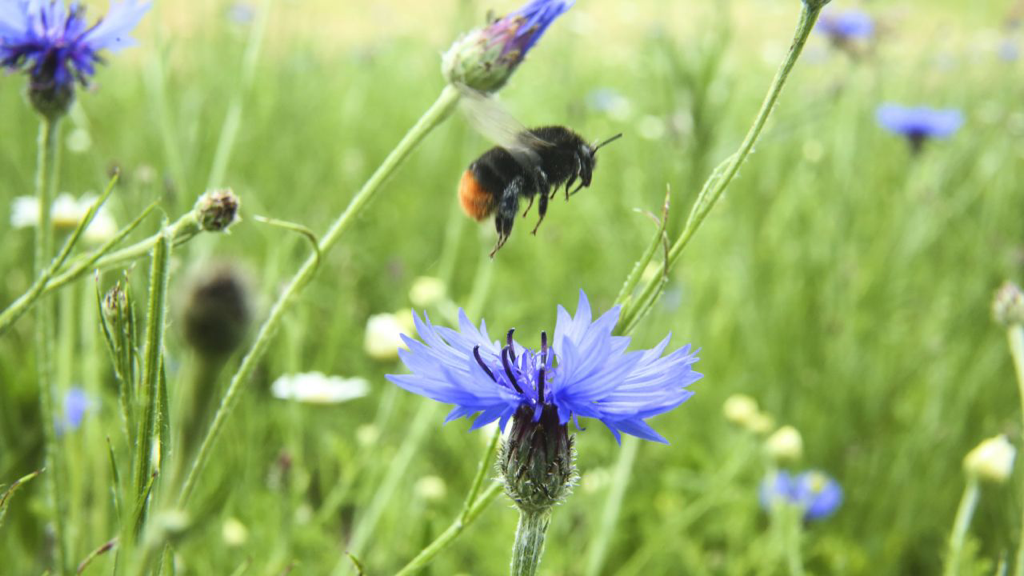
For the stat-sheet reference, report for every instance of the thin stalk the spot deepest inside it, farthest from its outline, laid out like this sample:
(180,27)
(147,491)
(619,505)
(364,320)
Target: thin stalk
(529,546)
(46,186)
(1015,339)
(964,513)
(434,116)
(793,525)
(99,260)
(471,508)
(153,358)
(723,176)
(713,189)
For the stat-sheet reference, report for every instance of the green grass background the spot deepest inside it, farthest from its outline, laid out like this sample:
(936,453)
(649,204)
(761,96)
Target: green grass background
(842,282)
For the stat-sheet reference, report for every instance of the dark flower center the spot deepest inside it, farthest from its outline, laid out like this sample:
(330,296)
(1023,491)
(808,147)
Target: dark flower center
(508,365)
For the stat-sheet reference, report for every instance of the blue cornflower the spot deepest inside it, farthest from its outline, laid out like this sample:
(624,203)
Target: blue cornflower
(77,403)
(584,371)
(845,25)
(485,58)
(56,46)
(815,492)
(919,124)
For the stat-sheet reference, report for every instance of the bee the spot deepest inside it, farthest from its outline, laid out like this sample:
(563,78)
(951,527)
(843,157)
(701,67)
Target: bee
(527,164)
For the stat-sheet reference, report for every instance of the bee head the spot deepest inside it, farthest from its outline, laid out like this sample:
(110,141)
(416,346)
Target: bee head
(589,157)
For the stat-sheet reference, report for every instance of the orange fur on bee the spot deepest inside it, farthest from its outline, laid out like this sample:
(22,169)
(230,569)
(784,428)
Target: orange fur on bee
(475,201)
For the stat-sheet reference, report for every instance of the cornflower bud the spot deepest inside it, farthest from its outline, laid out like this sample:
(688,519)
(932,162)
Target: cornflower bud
(217,210)
(992,460)
(1008,304)
(217,311)
(785,445)
(485,58)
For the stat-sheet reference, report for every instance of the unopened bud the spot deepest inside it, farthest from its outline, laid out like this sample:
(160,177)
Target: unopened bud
(739,409)
(485,58)
(217,210)
(217,311)
(992,460)
(1008,304)
(537,460)
(785,445)
(427,291)
(384,335)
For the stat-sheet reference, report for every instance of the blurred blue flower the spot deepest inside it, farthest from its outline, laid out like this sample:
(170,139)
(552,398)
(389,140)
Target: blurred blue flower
(845,25)
(919,124)
(1008,50)
(77,403)
(241,13)
(584,372)
(815,492)
(55,44)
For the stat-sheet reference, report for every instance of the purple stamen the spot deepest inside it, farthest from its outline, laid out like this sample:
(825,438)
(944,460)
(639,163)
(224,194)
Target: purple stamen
(508,369)
(511,348)
(480,361)
(543,365)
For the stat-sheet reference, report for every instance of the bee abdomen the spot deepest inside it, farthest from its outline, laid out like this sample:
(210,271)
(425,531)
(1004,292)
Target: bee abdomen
(476,202)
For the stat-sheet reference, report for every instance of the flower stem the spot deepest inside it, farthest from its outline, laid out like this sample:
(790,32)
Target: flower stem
(793,526)
(964,513)
(147,433)
(724,174)
(1015,339)
(100,259)
(434,116)
(46,186)
(529,542)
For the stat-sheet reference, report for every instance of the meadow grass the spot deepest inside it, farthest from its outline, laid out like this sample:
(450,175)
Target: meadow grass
(842,282)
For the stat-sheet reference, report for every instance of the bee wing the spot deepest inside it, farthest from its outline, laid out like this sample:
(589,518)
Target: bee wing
(493,122)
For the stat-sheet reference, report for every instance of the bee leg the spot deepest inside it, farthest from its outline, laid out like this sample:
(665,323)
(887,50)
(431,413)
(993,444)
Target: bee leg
(542,209)
(508,209)
(527,211)
(568,184)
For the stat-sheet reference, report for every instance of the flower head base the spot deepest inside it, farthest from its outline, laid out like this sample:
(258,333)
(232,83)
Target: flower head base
(584,371)
(56,47)
(216,311)
(815,492)
(537,460)
(919,125)
(485,58)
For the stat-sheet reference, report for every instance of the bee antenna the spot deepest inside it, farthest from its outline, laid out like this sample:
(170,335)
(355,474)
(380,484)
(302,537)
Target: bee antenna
(608,141)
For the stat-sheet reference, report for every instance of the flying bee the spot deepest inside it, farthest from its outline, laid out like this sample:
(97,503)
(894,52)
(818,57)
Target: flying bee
(531,164)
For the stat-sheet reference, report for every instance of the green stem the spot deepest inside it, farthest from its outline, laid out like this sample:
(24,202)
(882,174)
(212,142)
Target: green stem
(471,508)
(99,260)
(620,481)
(793,525)
(709,196)
(46,186)
(723,176)
(435,115)
(147,433)
(964,513)
(529,544)
(1015,338)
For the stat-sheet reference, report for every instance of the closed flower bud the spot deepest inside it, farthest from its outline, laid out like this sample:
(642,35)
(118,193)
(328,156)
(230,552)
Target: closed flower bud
(785,445)
(739,409)
(384,336)
(427,291)
(485,58)
(537,460)
(992,460)
(217,311)
(217,210)
(1008,305)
